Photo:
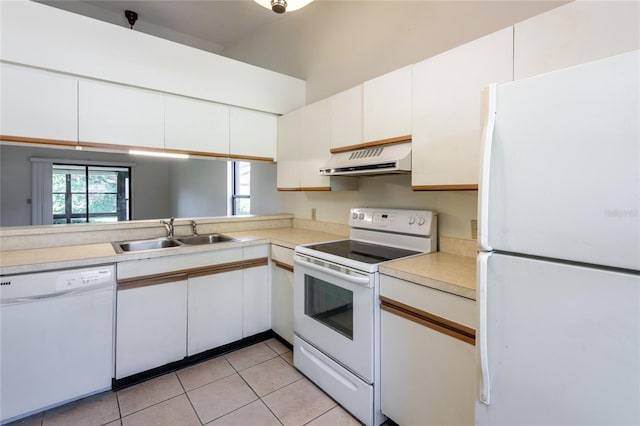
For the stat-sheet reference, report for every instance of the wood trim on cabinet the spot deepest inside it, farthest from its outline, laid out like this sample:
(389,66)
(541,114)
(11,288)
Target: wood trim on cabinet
(9,138)
(306,188)
(148,280)
(462,187)
(117,147)
(163,278)
(315,188)
(250,158)
(390,141)
(257,262)
(434,322)
(282,265)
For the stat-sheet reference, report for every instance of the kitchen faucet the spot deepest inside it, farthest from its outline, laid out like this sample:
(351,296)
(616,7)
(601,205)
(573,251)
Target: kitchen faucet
(169,226)
(194,228)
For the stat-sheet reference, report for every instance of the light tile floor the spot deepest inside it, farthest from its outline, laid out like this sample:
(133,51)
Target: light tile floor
(253,386)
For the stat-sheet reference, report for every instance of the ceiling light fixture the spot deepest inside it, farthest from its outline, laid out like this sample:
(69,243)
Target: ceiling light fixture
(158,154)
(281,6)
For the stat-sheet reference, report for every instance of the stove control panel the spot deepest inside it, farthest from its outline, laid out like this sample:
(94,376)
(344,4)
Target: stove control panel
(419,222)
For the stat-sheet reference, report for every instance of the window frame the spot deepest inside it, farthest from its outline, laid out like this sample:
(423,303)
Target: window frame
(123,193)
(235,187)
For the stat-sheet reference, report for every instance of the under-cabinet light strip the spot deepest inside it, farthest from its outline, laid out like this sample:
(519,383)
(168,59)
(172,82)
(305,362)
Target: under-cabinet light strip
(158,154)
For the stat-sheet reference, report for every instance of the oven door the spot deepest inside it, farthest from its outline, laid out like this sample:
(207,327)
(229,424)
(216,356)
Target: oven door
(333,310)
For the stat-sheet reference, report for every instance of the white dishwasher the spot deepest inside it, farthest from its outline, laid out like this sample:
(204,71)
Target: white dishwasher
(56,340)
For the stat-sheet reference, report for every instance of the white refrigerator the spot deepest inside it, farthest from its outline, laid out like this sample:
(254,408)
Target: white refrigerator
(559,236)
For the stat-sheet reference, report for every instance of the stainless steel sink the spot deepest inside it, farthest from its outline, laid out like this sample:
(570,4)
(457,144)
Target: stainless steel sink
(205,239)
(154,244)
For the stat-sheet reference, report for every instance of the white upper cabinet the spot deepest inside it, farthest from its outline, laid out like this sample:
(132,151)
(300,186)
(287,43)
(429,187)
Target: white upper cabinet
(111,114)
(38,104)
(314,145)
(303,147)
(196,126)
(575,33)
(345,118)
(387,106)
(288,152)
(448,108)
(253,134)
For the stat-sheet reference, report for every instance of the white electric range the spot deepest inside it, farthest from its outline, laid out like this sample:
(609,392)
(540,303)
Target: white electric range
(336,306)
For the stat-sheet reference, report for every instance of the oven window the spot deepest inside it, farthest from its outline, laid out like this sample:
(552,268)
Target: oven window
(329,304)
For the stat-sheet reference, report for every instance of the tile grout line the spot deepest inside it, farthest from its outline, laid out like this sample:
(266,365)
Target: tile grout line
(157,403)
(186,394)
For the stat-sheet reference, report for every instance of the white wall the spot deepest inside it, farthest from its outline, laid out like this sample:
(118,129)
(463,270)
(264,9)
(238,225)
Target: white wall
(198,188)
(265,199)
(455,209)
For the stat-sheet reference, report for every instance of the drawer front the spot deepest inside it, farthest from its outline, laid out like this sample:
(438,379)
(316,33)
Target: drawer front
(282,254)
(451,307)
(159,265)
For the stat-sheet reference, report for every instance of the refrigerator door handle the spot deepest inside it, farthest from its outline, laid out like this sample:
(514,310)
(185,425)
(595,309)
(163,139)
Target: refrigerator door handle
(489,96)
(484,381)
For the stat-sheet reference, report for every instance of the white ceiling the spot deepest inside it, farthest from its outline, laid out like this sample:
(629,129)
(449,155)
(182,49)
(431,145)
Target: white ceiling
(332,44)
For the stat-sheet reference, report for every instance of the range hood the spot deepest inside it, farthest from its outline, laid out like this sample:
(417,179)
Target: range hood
(386,159)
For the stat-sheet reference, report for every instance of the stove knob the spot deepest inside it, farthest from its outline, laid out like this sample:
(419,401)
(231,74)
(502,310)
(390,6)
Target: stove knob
(421,220)
(412,220)
(361,216)
(354,215)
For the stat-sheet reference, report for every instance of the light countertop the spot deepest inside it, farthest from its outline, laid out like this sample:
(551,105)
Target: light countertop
(286,237)
(442,271)
(43,259)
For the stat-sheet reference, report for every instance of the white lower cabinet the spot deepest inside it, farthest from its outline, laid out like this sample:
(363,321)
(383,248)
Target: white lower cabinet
(215,311)
(181,305)
(282,292)
(256,292)
(427,374)
(151,327)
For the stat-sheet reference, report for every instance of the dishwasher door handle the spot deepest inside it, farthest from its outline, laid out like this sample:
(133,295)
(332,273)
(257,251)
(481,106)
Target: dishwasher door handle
(49,296)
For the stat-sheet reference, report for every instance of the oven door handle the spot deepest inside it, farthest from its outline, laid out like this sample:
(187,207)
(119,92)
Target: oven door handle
(360,280)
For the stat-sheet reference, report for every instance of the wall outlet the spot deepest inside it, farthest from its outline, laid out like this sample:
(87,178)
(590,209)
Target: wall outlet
(474,229)
(313,213)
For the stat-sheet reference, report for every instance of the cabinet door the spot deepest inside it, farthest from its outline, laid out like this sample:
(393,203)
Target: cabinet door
(345,118)
(196,126)
(117,115)
(314,145)
(253,134)
(38,104)
(426,377)
(282,302)
(256,306)
(387,106)
(573,34)
(215,311)
(427,370)
(256,292)
(288,152)
(447,110)
(282,292)
(150,334)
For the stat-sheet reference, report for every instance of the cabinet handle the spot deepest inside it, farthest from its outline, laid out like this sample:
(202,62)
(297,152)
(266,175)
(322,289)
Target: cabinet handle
(489,95)
(434,322)
(284,266)
(482,350)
